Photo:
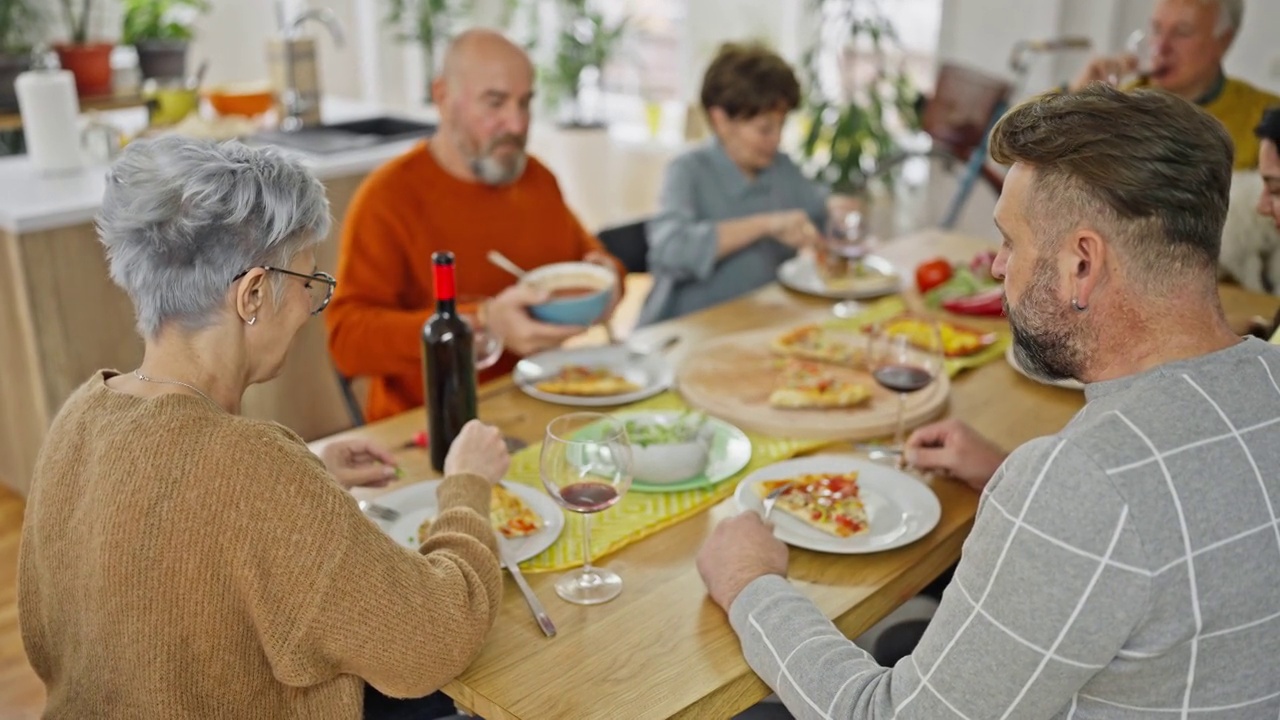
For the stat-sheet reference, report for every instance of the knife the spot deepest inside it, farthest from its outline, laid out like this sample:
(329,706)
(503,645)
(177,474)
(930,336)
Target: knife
(539,612)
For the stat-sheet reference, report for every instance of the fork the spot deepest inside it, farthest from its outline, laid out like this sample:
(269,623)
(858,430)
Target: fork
(772,498)
(381,512)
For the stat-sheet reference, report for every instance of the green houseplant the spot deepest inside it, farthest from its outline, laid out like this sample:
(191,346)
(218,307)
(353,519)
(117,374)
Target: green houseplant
(161,31)
(87,59)
(18,20)
(585,42)
(431,24)
(849,129)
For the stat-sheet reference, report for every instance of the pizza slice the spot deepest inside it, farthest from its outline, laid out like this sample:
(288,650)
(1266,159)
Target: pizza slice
(829,502)
(583,381)
(507,512)
(806,385)
(812,342)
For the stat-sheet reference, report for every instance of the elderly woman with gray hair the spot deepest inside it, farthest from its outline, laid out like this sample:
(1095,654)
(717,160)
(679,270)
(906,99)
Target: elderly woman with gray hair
(181,561)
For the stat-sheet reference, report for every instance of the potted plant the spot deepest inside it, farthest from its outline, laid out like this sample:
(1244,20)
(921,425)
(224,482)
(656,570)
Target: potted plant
(18,18)
(585,42)
(161,31)
(90,62)
(430,23)
(850,128)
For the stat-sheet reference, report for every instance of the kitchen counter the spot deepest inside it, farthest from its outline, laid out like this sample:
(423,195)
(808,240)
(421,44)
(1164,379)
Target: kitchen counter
(30,202)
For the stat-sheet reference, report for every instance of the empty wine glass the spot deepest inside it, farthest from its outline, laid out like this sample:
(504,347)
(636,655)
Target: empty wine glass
(486,343)
(586,468)
(844,246)
(1137,46)
(905,357)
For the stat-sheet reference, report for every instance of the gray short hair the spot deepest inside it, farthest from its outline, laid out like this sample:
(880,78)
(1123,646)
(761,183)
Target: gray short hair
(1230,15)
(182,217)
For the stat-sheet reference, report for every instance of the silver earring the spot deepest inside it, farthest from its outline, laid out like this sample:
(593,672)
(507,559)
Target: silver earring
(254,319)
(1076,304)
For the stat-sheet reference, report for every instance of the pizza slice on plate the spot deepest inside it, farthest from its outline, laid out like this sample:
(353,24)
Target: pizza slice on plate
(805,385)
(957,341)
(829,502)
(812,342)
(508,514)
(583,381)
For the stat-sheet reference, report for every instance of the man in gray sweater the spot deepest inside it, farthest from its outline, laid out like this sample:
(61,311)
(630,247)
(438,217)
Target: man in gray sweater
(1129,566)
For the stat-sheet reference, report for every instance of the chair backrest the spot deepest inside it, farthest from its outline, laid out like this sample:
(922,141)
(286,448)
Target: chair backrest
(963,108)
(354,409)
(629,243)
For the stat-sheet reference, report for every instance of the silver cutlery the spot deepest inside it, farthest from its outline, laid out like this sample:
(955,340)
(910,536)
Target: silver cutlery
(381,512)
(539,612)
(772,498)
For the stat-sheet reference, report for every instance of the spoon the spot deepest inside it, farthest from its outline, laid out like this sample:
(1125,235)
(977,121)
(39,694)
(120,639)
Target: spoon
(501,261)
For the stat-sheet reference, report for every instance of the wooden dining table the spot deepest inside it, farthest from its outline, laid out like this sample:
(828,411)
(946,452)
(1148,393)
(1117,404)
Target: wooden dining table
(662,649)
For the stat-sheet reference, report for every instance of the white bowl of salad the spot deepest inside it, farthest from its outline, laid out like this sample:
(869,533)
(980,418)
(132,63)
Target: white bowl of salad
(668,447)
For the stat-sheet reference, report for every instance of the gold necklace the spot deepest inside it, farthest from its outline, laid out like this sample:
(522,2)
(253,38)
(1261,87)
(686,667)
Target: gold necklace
(138,374)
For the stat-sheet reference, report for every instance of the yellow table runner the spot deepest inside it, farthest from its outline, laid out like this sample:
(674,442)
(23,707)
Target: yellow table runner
(640,515)
(892,306)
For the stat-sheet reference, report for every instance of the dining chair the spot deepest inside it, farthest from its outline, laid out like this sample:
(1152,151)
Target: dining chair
(629,243)
(958,118)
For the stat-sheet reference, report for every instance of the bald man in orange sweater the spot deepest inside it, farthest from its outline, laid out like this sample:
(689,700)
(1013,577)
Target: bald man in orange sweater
(470,189)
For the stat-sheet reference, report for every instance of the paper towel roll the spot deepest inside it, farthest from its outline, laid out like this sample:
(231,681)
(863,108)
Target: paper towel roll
(49,107)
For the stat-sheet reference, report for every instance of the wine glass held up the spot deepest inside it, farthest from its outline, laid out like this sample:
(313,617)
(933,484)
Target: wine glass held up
(906,358)
(844,246)
(586,468)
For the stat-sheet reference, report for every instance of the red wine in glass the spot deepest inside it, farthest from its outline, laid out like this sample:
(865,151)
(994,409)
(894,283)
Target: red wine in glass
(588,497)
(902,378)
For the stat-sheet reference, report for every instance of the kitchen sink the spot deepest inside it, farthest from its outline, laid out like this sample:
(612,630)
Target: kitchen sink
(347,136)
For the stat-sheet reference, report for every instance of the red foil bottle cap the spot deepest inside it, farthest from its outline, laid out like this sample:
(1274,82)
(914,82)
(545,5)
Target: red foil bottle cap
(446,286)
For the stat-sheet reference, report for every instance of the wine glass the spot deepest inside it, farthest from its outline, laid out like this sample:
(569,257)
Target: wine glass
(844,246)
(905,357)
(486,343)
(586,468)
(1137,45)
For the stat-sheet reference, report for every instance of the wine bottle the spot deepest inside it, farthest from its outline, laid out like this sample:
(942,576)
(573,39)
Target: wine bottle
(449,364)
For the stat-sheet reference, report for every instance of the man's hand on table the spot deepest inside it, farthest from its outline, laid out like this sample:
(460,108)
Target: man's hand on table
(359,462)
(508,317)
(740,549)
(478,450)
(954,448)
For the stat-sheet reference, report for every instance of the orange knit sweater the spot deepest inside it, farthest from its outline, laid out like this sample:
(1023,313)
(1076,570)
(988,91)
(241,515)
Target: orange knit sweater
(181,562)
(402,213)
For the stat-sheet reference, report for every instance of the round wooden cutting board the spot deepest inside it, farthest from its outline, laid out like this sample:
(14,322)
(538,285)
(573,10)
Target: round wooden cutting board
(732,376)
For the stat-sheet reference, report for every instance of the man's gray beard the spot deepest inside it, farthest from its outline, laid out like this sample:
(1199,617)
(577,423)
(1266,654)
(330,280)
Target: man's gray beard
(1045,343)
(492,171)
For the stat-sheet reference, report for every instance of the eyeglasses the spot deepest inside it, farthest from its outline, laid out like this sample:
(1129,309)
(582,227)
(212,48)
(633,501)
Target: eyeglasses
(319,285)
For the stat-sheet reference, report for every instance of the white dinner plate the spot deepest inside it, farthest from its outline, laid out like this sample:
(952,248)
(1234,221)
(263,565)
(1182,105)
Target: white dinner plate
(1012,359)
(417,502)
(801,274)
(651,372)
(900,508)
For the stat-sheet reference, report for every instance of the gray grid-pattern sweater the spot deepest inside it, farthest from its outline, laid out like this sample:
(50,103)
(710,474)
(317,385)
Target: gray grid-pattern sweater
(1128,567)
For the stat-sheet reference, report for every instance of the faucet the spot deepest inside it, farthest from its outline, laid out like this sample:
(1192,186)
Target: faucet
(295,104)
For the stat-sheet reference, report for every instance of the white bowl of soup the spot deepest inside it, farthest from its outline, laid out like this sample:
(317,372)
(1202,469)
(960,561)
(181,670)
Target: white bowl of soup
(579,292)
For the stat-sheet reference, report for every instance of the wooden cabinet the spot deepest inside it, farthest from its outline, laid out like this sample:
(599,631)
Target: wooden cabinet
(61,318)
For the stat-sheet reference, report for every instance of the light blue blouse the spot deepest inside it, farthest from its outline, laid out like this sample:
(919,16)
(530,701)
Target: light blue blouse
(702,188)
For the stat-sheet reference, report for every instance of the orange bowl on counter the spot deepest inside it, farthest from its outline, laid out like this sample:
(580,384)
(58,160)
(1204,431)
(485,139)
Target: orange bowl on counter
(245,100)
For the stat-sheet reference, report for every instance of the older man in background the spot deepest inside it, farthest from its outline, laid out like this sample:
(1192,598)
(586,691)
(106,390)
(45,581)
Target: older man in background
(1188,41)
(472,188)
(1125,567)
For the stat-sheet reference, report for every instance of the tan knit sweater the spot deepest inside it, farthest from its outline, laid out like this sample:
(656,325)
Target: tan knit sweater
(181,562)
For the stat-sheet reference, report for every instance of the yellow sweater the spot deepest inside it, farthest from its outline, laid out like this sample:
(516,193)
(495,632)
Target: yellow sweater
(1239,107)
(181,562)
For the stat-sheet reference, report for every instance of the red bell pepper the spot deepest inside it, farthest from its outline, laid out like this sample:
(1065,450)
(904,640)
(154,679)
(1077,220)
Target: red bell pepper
(988,303)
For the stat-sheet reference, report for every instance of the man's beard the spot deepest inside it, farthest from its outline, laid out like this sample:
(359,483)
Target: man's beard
(491,170)
(1046,334)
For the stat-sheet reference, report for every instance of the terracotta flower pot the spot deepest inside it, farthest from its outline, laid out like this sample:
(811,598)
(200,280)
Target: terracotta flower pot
(91,64)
